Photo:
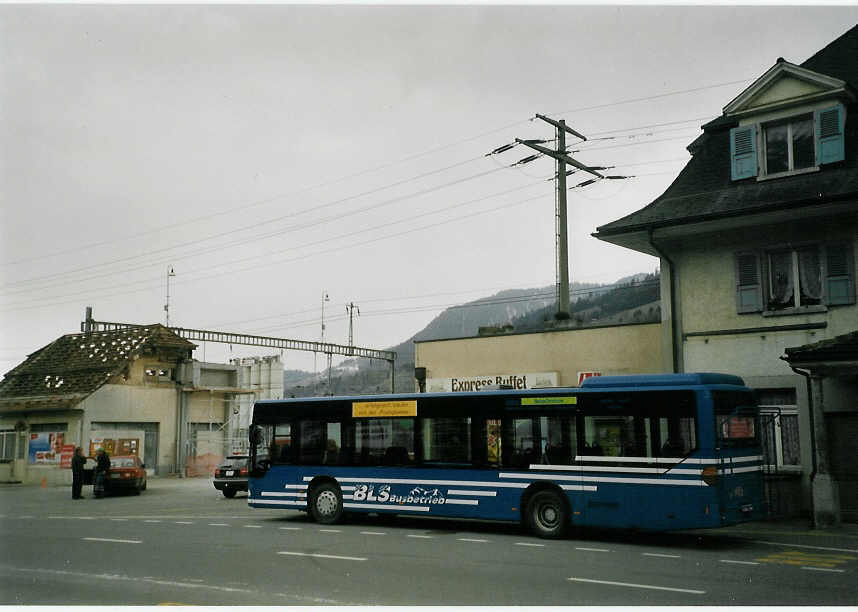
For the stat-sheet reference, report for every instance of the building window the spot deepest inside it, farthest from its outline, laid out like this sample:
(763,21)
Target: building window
(779,428)
(789,145)
(786,146)
(158,373)
(7,444)
(780,280)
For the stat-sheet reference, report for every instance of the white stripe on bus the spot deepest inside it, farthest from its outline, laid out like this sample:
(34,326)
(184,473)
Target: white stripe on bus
(397,507)
(732,470)
(648,481)
(282,494)
(656,460)
(300,487)
(462,502)
(478,493)
(415,481)
(578,487)
(610,468)
(277,502)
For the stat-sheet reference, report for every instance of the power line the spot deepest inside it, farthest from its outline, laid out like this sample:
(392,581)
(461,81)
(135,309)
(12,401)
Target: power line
(367,171)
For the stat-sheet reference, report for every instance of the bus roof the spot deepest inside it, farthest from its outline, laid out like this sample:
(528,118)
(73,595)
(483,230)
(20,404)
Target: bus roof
(593,383)
(663,380)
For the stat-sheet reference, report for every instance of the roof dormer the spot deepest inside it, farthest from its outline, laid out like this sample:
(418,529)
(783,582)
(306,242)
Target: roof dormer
(784,86)
(791,120)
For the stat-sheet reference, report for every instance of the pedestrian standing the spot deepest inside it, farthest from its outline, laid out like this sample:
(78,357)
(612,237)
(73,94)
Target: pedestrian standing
(77,464)
(102,467)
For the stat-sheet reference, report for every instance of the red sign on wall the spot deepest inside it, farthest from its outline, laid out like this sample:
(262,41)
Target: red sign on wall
(583,375)
(66,455)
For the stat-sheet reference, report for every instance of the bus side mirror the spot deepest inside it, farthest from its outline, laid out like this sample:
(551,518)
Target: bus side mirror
(255,436)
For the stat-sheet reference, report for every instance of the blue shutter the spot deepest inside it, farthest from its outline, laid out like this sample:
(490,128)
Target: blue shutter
(743,152)
(749,289)
(830,143)
(839,275)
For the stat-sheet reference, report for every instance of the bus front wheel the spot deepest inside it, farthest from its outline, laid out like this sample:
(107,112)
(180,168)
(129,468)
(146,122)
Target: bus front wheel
(326,504)
(547,515)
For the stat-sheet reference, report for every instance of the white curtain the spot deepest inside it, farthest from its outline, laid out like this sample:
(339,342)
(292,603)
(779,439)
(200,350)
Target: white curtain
(782,281)
(809,275)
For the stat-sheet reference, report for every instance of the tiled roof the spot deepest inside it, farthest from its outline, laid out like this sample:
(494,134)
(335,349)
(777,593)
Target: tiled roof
(704,190)
(75,365)
(839,348)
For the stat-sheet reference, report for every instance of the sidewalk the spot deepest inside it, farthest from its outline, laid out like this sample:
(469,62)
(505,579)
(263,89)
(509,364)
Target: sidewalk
(793,531)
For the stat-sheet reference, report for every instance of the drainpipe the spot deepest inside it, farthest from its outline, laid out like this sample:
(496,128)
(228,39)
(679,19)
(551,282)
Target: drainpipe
(673,321)
(812,424)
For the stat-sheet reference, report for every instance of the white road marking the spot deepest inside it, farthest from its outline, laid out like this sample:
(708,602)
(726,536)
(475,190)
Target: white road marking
(292,528)
(184,522)
(113,540)
(152,521)
(638,586)
(592,549)
(739,562)
(26,516)
(528,544)
(331,530)
(660,555)
(423,537)
(253,526)
(218,524)
(189,583)
(321,556)
(86,517)
(822,569)
(373,533)
(846,550)
(471,540)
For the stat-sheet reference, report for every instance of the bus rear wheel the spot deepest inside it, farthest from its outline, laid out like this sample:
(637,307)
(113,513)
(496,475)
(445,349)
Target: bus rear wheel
(326,504)
(547,515)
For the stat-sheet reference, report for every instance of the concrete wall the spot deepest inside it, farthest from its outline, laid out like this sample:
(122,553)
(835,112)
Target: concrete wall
(137,404)
(627,349)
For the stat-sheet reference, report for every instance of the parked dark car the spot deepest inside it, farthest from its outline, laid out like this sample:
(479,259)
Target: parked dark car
(127,473)
(231,476)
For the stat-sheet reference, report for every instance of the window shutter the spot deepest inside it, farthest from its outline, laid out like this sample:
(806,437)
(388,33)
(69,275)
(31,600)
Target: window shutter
(743,152)
(830,142)
(749,289)
(839,275)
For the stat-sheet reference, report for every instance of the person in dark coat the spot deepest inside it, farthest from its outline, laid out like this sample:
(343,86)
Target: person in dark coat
(102,467)
(77,464)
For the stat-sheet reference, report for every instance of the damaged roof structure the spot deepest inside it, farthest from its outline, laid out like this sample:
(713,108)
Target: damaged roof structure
(61,374)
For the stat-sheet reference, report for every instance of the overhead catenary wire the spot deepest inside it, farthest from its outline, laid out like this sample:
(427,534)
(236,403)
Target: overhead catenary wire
(47,278)
(175,224)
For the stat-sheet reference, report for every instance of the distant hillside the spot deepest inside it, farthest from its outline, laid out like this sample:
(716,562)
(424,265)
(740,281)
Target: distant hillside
(631,299)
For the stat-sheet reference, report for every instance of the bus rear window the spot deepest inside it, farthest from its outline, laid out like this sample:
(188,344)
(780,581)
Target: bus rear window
(736,415)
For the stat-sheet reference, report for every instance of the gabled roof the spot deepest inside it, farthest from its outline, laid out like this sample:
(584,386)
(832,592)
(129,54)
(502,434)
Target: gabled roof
(72,367)
(703,190)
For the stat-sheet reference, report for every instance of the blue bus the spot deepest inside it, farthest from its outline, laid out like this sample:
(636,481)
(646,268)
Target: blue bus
(649,452)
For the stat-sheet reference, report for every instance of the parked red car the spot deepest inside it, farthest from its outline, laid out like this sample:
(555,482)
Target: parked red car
(127,473)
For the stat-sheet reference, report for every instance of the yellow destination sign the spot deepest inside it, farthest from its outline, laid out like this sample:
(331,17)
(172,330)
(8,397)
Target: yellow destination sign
(548,401)
(403,408)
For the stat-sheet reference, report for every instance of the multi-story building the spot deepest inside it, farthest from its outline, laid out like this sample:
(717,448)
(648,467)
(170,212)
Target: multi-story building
(757,238)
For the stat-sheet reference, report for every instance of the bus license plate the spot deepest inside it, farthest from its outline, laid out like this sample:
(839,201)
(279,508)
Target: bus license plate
(748,508)
(230,472)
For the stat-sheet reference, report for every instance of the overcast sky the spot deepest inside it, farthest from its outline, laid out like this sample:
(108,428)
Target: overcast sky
(271,153)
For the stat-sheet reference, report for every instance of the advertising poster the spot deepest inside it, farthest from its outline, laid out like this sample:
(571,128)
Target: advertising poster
(46,447)
(66,455)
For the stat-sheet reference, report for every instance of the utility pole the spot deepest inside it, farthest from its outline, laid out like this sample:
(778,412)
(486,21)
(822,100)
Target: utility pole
(170,273)
(561,236)
(351,309)
(325,298)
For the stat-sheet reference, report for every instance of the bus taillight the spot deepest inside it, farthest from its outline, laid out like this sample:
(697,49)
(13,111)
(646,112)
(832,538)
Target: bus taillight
(710,475)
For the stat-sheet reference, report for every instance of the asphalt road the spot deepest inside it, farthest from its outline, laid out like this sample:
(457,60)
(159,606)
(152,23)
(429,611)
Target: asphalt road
(183,542)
